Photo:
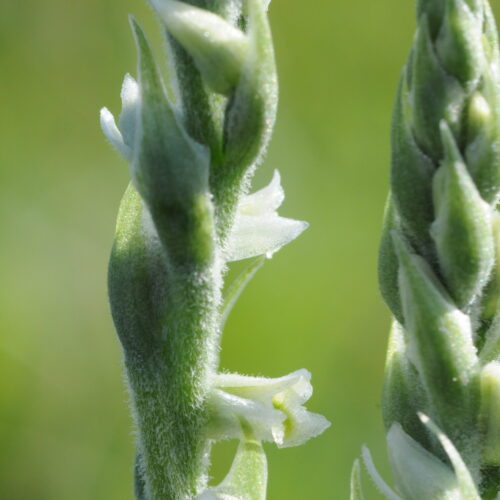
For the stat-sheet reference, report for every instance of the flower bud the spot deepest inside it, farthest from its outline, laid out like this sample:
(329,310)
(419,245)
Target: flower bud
(217,47)
(459,44)
(440,342)
(462,229)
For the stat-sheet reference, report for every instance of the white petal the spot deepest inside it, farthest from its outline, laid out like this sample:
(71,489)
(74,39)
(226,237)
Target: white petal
(418,473)
(258,229)
(111,131)
(130,95)
(262,235)
(227,411)
(262,388)
(264,201)
(299,389)
(302,425)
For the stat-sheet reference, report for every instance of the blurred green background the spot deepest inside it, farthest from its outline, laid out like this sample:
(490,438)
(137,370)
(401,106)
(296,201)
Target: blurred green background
(65,430)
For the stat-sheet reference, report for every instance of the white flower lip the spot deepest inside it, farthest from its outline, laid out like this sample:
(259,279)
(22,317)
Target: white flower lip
(271,407)
(258,229)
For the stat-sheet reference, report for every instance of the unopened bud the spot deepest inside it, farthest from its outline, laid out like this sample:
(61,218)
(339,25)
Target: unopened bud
(217,47)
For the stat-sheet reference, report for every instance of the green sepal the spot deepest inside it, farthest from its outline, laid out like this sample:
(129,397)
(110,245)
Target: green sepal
(490,413)
(202,110)
(411,177)
(440,345)
(459,44)
(252,108)
(250,113)
(137,280)
(170,170)
(168,164)
(403,395)
(388,262)
(434,95)
(356,486)
(462,229)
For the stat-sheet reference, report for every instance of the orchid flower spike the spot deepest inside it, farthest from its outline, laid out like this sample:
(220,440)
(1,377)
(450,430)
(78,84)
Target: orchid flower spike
(183,218)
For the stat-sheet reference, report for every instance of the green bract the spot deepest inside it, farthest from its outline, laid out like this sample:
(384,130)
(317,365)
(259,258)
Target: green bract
(184,217)
(439,261)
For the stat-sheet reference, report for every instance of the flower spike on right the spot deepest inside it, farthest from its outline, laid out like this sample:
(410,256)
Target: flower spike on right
(439,261)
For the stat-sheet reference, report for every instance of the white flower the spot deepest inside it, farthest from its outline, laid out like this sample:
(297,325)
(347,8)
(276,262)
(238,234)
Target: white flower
(123,137)
(270,409)
(419,474)
(258,229)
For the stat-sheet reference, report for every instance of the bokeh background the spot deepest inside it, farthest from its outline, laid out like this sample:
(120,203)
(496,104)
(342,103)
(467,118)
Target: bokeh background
(65,430)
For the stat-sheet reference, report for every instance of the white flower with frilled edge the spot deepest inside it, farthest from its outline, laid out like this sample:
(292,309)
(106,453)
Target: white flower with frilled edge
(272,408)
(122,137)
(258,229)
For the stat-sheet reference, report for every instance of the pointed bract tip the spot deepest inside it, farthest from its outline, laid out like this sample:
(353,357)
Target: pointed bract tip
(450,147)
